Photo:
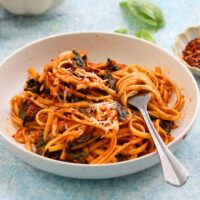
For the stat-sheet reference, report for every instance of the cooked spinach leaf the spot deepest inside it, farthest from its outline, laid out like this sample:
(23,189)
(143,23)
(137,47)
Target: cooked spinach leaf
(122,157)
(53,155)
(28,111)
(77,156)
(78,60)
(167,125)
(111,65)
(111,80)
(40,143)
(73,99)
(32,85)
(82,139)
(123,113)
(46,90)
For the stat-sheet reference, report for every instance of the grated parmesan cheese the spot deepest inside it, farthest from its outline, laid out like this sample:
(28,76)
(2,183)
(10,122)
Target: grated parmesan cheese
(110,105)
(65,93)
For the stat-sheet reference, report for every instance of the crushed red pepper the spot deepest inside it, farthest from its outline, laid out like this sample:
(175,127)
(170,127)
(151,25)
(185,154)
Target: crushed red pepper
(191,53)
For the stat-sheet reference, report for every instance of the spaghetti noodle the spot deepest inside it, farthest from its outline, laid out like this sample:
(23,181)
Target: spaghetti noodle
(77,111)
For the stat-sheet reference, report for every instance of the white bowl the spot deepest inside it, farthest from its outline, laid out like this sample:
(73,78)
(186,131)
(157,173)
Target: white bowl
(99,46)
(29,7)
(181,42)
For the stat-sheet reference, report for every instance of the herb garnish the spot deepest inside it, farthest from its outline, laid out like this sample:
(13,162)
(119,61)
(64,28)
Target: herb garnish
(122,31)
(77,156)
(40,143)
(121,111)
(73,99)
(78,60)
(46,90)
(32,85)
(111,65)
(111,80)
(82,139)
(167,125)
(146,35)
(145,11)
(28,111)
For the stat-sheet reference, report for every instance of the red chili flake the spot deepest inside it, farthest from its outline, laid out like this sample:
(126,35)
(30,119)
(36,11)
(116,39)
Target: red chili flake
(191,53)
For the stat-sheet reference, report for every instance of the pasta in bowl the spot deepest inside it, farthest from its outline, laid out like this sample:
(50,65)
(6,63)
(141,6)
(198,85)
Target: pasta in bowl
(72,119)
(77,111)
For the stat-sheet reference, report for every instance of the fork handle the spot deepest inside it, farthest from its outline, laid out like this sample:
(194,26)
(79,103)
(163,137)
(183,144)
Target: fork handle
(173,171)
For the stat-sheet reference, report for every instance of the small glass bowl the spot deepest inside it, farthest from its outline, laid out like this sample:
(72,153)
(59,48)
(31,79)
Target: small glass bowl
(181,42)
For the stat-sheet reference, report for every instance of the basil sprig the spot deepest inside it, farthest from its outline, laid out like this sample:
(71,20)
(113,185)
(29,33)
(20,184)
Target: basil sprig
(146,35)
(122,31)
(145,11)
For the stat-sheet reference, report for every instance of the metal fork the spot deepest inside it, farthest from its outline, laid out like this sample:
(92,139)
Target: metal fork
(173,171)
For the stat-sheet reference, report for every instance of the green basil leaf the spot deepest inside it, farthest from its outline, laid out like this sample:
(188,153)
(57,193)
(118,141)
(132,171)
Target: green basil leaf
(122,31)
(146,35)
(33,85)
(167,125)
(123,113)
(145,11)
(78,60)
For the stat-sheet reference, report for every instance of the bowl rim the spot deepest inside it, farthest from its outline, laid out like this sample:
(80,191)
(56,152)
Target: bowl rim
(194,70)
(5,139)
